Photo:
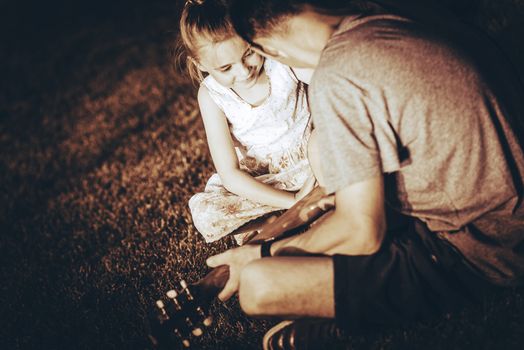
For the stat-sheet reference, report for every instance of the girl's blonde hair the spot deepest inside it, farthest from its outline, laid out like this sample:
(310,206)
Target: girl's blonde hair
(201,21)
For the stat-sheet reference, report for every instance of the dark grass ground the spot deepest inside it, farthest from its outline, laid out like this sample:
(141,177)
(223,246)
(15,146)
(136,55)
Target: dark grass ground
(101,147)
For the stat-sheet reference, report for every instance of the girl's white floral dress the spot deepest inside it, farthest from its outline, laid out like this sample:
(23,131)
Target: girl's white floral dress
(271,145)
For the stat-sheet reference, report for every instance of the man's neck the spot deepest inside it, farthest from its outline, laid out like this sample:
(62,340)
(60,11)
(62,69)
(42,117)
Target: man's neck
(324,24)
(318,29)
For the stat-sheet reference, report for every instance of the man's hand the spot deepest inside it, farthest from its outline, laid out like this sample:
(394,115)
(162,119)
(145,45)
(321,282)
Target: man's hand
(237,259)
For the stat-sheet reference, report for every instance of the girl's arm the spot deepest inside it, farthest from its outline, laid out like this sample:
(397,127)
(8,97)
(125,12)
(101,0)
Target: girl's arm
(226,161)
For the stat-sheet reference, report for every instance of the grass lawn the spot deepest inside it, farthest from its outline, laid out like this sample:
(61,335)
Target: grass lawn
(101,146)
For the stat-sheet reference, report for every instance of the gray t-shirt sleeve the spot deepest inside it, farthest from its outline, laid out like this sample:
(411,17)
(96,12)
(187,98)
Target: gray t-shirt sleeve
(350,152)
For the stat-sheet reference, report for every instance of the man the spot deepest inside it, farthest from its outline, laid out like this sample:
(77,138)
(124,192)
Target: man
(409,111)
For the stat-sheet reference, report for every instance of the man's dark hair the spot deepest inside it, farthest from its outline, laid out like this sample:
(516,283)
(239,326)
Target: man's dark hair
(252,18)
(258,17)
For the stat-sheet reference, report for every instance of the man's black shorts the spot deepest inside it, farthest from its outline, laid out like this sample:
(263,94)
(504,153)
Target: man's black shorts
(414,276)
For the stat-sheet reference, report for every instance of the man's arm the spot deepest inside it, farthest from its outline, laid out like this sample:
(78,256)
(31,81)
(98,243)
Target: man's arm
(356,227)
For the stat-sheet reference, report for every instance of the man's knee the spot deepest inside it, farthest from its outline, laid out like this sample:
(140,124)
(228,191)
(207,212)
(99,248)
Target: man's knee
(255,289)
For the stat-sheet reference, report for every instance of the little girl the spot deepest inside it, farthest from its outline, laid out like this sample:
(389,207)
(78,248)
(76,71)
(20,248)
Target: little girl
(257,125)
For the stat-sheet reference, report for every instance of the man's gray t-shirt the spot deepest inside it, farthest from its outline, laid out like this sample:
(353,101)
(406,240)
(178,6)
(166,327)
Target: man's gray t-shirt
(436,111)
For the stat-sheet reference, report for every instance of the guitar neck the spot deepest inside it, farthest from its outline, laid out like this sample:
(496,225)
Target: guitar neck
(183,314)
(303,213)
(212,283)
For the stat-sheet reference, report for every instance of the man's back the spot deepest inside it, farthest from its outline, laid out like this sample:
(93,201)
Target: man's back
(437,110)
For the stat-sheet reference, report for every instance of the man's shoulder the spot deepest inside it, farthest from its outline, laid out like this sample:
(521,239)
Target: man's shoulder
(372,48)
(362,39)
(364,35)
(353,48)
(362,24)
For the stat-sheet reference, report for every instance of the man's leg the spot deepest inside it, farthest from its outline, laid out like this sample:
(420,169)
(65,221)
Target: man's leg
(288,287)
(276,286)
(414,276)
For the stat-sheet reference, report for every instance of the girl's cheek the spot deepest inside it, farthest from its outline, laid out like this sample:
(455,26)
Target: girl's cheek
(229,80)
(225,80)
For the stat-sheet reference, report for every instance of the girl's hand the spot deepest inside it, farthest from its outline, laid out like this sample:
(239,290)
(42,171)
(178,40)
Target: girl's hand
(308,186)
(237,259)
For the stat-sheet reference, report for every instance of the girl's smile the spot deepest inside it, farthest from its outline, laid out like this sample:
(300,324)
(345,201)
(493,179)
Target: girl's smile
(232,63)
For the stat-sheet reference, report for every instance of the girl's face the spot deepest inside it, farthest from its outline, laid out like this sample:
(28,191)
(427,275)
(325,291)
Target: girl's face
(231,62)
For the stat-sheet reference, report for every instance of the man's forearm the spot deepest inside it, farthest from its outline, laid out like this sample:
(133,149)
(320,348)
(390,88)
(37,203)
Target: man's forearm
(335,234)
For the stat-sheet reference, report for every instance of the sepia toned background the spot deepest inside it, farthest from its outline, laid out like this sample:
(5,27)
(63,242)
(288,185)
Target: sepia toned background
(101,146)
